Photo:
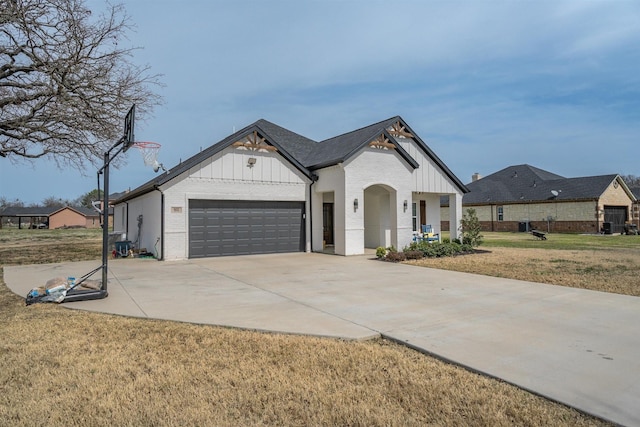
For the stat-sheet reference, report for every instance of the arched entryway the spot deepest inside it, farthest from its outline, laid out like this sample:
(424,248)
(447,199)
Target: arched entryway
(380,220)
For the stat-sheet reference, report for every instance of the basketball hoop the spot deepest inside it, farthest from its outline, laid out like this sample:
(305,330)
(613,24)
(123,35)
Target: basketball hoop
(149,151)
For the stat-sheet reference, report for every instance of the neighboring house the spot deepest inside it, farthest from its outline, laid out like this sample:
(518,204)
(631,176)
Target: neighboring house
(74,217)
(522,197)
(51,217)
(635,209)
(266,189)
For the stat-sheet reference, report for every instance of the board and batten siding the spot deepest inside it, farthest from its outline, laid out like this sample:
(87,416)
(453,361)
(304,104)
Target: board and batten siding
(227,176)
(428,178)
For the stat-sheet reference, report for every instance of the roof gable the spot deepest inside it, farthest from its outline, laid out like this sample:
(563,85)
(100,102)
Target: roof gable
(259,135)
(339,148)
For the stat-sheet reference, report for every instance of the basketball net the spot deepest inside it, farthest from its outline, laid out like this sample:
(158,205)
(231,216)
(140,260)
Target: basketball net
(149,151)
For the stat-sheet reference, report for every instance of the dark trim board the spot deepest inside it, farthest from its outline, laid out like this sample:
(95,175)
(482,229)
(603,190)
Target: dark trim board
(245,227)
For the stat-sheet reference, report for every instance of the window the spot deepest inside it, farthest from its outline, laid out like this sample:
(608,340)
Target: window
(414,216)
(500,213)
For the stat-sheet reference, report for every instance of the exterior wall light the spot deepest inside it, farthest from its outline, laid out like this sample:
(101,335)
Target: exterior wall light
(355,205)
(251,162)
(405,205)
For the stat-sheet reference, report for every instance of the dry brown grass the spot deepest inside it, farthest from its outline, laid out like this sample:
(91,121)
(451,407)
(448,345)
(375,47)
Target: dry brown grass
(19,247)
(66,367)
(606,270)
(62,367)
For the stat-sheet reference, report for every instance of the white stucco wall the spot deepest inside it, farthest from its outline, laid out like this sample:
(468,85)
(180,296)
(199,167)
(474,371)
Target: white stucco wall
(385,168)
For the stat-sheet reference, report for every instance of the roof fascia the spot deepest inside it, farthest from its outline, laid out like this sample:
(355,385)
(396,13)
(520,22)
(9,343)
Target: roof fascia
(626,188)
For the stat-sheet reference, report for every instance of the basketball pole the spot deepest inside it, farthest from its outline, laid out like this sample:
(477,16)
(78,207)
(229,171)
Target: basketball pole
(105,210)
(123,143)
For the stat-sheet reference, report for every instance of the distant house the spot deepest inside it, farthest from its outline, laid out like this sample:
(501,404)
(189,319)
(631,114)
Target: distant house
(635,210)
(51,217)
(70,217)
(523,197)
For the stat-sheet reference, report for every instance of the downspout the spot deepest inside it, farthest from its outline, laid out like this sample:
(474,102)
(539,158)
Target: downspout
(161,258)
(314,178)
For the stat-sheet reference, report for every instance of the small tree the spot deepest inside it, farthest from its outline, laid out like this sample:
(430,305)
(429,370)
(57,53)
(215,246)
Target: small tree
(470,228)
(53,202)
(86,199)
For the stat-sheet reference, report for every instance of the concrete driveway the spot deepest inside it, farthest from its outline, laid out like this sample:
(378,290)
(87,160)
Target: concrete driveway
(574,346)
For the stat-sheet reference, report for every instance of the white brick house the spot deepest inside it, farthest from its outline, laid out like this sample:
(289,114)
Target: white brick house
(266,189)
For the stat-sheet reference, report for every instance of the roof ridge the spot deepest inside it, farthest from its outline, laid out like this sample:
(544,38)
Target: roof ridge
(362,128)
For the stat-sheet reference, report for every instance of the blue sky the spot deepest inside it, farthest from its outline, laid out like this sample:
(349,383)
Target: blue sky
(486,84)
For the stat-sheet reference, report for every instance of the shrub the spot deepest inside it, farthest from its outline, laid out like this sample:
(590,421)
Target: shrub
(470,228)
(413,254)
(436,249)
(396,256)
(380,252)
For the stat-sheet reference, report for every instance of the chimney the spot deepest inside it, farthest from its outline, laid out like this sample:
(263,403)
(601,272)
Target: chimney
(476,176)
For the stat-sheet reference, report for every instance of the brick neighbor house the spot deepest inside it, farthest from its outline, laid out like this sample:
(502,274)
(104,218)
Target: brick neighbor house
(523,197)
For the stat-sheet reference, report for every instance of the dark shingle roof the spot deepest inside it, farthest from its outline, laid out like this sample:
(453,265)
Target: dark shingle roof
(305,154)
(522,183)
(297,145)
(39,211)
(339,148)
(33,211)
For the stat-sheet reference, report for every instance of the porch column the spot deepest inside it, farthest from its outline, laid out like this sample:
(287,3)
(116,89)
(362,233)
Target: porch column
(432,211)
(455,215)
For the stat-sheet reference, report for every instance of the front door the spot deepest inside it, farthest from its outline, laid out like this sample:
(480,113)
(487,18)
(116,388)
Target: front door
(327,223)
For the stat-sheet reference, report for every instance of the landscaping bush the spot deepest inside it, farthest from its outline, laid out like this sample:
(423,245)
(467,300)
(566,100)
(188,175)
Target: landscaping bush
(413,254)
(380,252)
(396,256)
(436,249)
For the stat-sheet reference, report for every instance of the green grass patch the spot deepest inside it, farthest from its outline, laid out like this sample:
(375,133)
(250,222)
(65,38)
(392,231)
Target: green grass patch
(560,241)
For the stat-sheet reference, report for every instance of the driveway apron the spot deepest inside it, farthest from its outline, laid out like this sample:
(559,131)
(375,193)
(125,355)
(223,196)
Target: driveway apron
(574,346)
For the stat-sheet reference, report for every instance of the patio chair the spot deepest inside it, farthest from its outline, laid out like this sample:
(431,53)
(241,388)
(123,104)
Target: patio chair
(429,235)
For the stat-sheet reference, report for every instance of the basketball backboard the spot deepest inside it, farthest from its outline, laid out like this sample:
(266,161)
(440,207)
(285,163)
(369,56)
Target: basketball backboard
(129,125)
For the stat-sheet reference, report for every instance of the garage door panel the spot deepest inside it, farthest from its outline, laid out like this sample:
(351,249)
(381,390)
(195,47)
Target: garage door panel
(223,227)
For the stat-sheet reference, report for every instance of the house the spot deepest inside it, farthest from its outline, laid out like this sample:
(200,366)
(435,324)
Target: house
(74,217)
(266,189)
(50,217)
(523,197)
(635,209)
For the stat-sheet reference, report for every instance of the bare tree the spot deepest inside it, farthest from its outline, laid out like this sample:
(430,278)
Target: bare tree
(631,180)
(54,202)
(65,80)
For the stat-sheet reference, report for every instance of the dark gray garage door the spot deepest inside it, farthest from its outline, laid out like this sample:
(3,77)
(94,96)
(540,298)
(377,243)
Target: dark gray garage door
(617,216)
(240,227)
